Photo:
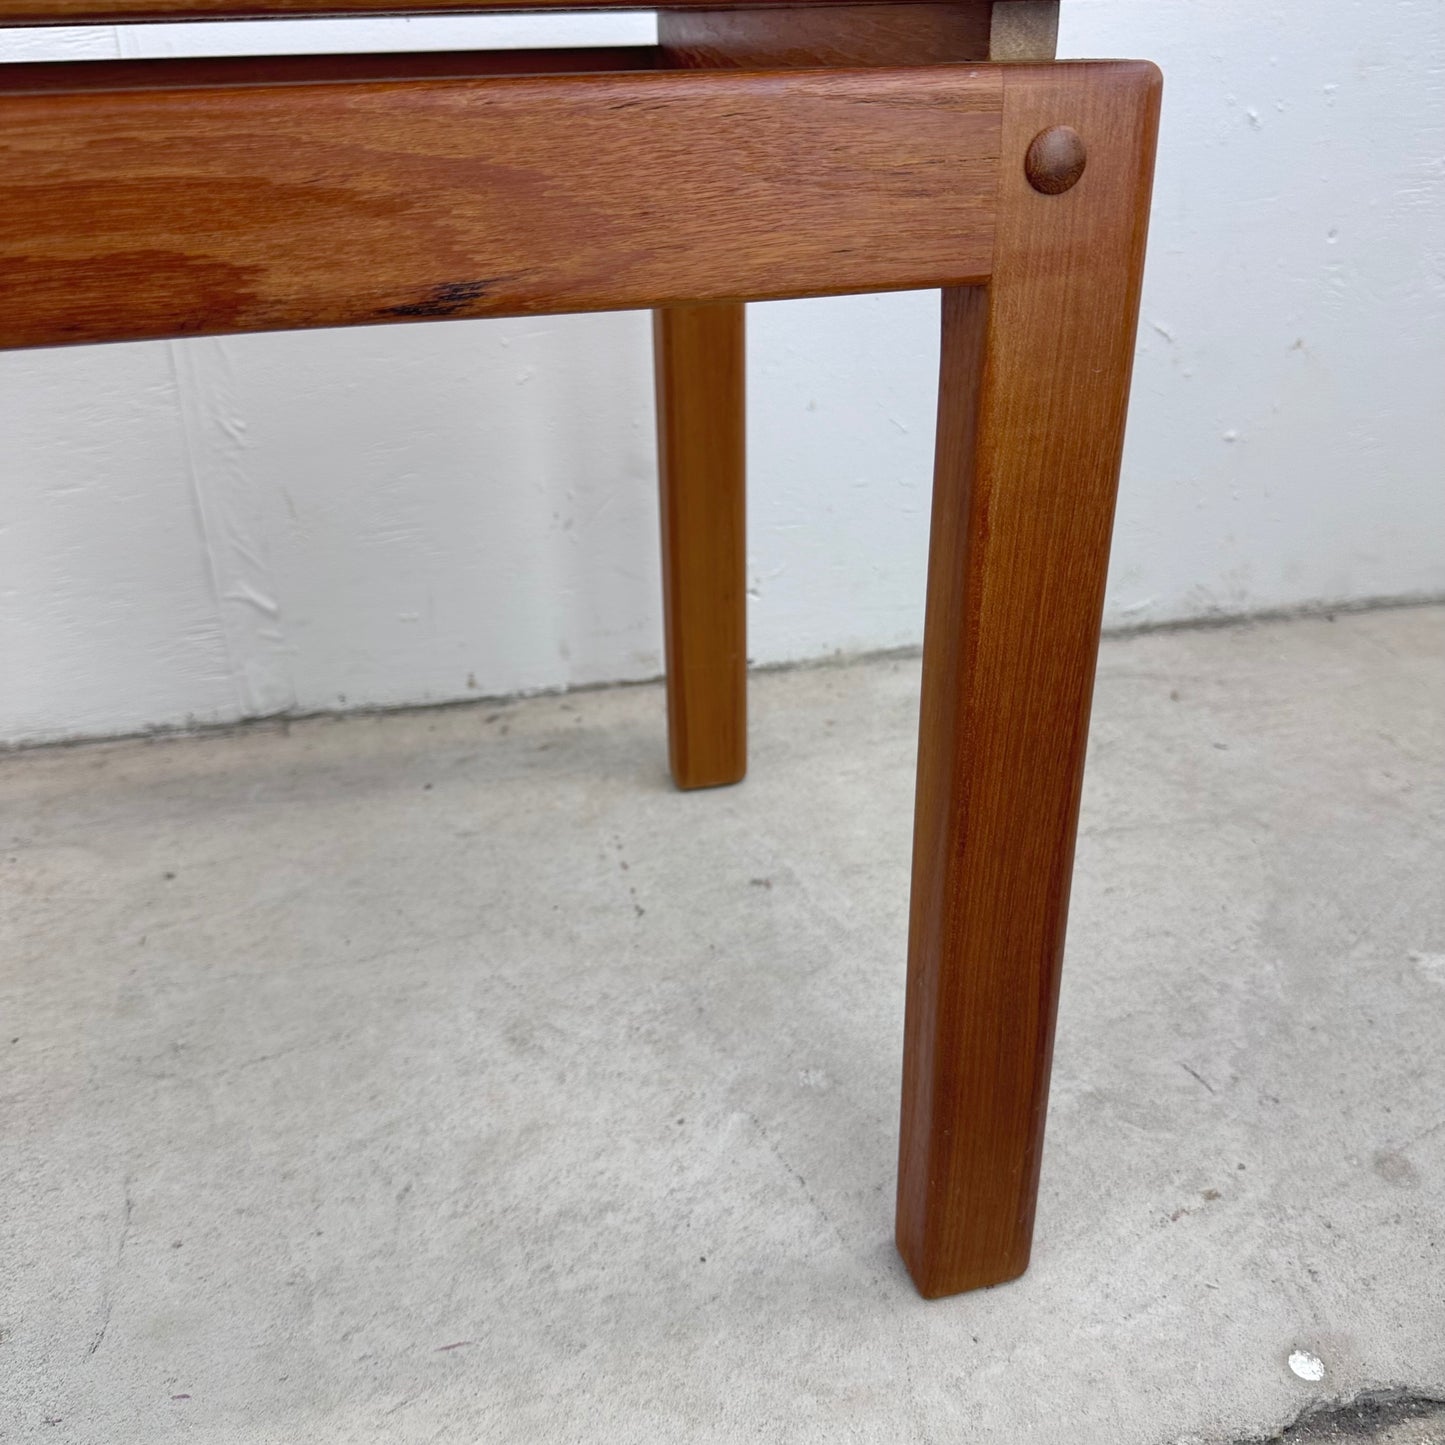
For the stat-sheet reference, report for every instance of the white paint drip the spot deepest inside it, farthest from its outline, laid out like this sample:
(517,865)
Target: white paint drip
(1307,1366)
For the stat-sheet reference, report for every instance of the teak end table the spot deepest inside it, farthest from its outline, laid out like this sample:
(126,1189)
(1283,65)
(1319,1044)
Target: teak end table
(756,152)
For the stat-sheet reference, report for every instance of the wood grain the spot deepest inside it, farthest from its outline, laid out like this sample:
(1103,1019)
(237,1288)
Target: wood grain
(1034,385)
(189,72)
(135,214)
(701,364)
(699,353)
(811,36)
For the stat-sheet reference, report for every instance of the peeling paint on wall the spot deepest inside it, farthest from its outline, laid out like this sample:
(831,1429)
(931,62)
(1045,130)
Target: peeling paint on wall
(232,527)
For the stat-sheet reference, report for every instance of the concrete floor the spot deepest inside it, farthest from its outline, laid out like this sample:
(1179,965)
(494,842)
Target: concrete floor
(447,1077)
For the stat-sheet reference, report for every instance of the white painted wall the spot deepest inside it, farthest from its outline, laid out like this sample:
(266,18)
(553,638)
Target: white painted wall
(205,530)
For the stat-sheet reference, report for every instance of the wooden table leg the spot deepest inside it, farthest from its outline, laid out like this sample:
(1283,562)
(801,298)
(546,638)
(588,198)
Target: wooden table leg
(700,369)
(1029,180)
(1034,383)
(701,428)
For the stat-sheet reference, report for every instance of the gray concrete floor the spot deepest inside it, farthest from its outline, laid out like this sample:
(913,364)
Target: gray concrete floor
(447,1077)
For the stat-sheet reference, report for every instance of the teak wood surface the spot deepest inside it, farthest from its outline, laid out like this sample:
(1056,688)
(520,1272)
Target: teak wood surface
(701,442)
(210,202)
(1032,398)
(816,36)
(235,208)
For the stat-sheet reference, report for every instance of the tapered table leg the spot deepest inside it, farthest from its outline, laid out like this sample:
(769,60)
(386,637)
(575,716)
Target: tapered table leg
(701,427)
(1035,379)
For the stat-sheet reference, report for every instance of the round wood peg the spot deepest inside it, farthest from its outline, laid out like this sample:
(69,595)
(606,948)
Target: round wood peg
(1055,159)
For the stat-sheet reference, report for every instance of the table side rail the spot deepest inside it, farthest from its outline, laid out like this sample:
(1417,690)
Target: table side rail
(129,214)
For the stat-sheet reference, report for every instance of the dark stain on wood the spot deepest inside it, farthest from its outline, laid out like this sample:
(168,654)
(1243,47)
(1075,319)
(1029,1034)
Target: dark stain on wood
(444,300)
